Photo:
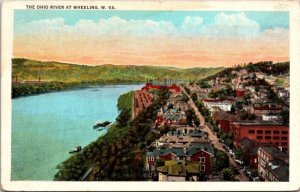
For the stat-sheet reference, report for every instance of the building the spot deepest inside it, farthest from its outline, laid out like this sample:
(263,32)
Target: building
(191,148)
(211,103)
(272,117)
(223,120)
(268,162)
(250,148)
(201,154)
(240,92)
(261,132)
(277,170)
(170,117)
(260,109)
(142,100)
(178,171)
(173,88)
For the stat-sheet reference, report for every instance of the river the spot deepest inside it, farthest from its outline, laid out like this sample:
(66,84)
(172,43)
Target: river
(46,127)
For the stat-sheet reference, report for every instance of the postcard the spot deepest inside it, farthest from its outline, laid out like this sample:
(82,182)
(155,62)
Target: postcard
(150,95)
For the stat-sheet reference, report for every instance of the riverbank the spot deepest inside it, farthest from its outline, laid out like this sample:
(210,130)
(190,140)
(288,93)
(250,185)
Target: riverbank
(28,89)
(118,155)
(57,122)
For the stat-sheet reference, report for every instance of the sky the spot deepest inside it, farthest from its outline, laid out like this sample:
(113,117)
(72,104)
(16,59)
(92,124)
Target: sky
(183,39)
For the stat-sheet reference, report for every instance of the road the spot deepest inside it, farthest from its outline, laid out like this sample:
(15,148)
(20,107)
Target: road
(213,138)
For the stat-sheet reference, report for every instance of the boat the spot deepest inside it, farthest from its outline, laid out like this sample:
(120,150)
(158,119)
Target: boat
(76,149)
(101,124)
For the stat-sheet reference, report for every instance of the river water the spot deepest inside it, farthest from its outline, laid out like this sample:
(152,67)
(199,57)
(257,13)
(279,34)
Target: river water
(46,127)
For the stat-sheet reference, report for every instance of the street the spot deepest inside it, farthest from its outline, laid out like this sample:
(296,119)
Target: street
(213,138)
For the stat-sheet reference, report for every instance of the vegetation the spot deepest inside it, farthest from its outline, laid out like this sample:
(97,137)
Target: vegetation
(125,104)
(265,66)
(204,84)
(244,115)
(194,97)
(228,174)
(59,76)
(227,138)
(222,93)
(241,155)
(19,90)
(285,114)
(205,112)
(185,98)
(24,70)
(192,118)
(119,155)
(220,161)
(188,91)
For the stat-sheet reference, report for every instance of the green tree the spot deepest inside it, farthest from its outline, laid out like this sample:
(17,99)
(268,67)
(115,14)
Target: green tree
(194,97)
(228,174)
(220,161)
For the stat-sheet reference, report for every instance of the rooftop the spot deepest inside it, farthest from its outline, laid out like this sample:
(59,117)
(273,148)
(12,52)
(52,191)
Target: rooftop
(279,169)
(274,151)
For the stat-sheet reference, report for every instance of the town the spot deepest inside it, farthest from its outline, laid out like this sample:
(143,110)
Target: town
(232,126)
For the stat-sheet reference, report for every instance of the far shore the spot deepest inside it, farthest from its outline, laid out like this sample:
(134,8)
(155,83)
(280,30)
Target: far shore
(63,87)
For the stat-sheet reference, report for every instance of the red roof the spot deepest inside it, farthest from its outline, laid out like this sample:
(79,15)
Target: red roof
(268,108)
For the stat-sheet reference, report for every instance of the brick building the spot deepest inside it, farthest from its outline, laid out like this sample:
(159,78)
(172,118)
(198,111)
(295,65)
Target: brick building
(240,92)
(223,120)
(173,88)
(142,100)
(264,109)
(262,133)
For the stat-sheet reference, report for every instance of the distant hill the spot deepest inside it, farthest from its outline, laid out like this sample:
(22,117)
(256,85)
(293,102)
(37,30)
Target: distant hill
(25,69)
(266,67)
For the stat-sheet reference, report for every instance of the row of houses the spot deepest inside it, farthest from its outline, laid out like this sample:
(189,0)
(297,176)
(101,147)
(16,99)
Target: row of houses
(190,153)
(182,154)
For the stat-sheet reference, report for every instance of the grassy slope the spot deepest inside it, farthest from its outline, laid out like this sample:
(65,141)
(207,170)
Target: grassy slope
(125,101)
(54,71)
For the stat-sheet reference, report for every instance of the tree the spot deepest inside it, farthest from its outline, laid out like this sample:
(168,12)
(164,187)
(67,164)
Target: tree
(194,97)
(123,118)
(228,174)
(285,114)
(197,122)
(220,161)
(241,154)
(204,84)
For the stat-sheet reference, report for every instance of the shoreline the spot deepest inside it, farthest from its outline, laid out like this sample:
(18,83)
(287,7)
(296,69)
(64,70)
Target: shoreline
(68,87)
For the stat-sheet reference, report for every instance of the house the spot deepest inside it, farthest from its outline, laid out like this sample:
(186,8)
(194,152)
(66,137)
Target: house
(201,154)
(177,147)
(266,163)
(170,117)
(177,171)
(261,132)
(250,148)
(210,103)
(179,140)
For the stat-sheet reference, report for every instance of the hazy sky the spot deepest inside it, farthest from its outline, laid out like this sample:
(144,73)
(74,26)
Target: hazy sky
(167,38)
